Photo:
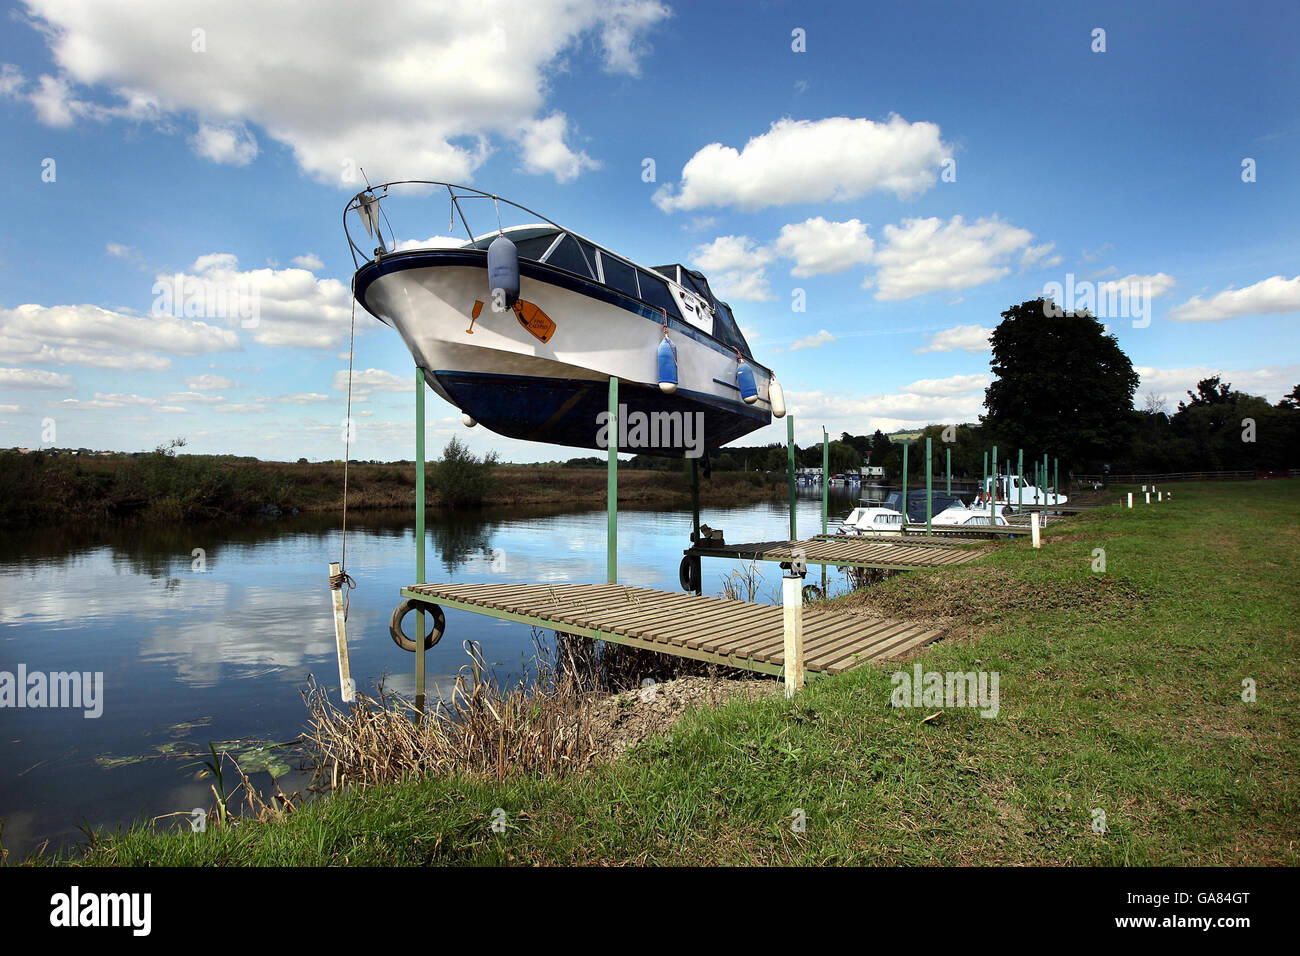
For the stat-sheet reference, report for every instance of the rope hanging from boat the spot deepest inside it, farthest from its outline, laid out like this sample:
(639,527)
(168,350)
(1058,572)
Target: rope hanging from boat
(339,580)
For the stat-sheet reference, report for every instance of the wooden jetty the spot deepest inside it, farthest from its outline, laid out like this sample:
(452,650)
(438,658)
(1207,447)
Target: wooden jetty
(843,551)
(718,630)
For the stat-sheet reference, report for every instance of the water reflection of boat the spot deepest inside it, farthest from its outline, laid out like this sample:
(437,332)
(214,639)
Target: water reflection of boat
(523,326)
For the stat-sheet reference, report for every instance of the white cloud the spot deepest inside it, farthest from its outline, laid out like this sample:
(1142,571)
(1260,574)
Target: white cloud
(928,255)
(434,87)
(952,385)
(820,246)
(98,338)
(734,266)
(814,341)
(11,80)
(207,382)
(907,407)
(276,307)
(1272,296)
(1134,285)
(1272,381)
(433,242)
(311,262)
(300,398)
(33,378)
(227,143)
(967,338)
(366,381)
(544,150)
(833,159)
(240,408)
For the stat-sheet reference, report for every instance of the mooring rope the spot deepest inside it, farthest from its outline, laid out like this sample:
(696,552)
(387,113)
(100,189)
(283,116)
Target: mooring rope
(347,448)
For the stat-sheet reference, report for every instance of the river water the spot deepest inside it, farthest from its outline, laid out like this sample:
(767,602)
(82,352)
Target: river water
(210,633)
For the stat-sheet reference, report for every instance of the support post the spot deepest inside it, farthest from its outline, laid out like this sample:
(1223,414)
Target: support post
(789,430)
(826,462)
(903,507)
(1033,529)
(695,501)
(1130,499)
(419,537)
(792,619)
(1044,478)
(347,689)
(993,488)
(929,471)
(949,471)
(1020,482)
(611,487)
(1056,479)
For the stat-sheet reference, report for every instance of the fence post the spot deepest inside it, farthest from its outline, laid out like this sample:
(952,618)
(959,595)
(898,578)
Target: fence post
(792,621)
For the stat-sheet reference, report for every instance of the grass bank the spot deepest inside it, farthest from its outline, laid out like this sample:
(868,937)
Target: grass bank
(1120,691)
(36,488)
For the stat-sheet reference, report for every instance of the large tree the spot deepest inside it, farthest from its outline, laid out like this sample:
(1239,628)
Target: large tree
(1061,385)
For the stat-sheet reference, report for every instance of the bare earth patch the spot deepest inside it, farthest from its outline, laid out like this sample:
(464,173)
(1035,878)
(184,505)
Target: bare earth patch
(621,721)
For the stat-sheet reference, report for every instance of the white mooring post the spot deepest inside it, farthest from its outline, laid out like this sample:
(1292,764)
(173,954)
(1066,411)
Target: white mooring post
(347,689)
(1033,529)
(1160,496)
(1130,499)
(1148,497)
(792,604)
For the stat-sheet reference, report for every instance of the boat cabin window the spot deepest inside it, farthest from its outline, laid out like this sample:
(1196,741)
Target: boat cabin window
(619,275)
(578,258)
(654,290)
(536,246)
(889,519)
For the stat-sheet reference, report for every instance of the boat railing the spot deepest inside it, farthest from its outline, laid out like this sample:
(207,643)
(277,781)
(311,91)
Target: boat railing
(372,213)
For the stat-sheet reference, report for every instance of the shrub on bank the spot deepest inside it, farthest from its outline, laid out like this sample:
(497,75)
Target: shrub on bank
(462,479)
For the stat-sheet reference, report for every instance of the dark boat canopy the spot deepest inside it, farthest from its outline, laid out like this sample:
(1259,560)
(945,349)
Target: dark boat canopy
(725,329)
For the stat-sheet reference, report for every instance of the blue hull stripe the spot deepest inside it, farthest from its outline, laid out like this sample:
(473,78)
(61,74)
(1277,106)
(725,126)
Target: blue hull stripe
(564,411)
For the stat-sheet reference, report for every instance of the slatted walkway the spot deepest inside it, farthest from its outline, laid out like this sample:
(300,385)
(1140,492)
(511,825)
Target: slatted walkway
(719,630)
(847,551)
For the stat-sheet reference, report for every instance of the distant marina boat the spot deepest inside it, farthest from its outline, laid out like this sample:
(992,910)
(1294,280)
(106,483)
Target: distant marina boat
(1014,490)
(961,516)
(870,520)
(523,326)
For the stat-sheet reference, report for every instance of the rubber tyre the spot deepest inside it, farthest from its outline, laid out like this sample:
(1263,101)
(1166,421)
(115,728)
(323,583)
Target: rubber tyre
(405,608)
(688,573)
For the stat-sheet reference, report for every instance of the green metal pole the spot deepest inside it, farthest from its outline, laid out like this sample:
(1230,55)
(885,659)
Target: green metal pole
(826,461)
(419,536)
(611,488)
(789,430)
(903,506)
(950,471)
(993,488)
(929,471)
(695,499)
(1020,481)
(984,487)
(1044,485)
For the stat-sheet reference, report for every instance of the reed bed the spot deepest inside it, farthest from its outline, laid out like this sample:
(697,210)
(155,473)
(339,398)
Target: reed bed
(543,727)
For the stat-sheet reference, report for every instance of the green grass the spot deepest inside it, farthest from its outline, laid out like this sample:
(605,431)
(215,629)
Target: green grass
(1119,691)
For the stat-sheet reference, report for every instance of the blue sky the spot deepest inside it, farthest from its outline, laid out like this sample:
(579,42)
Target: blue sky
(914,170)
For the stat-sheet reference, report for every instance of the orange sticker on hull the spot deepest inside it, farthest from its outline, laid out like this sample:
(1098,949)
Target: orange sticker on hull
(537,322)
